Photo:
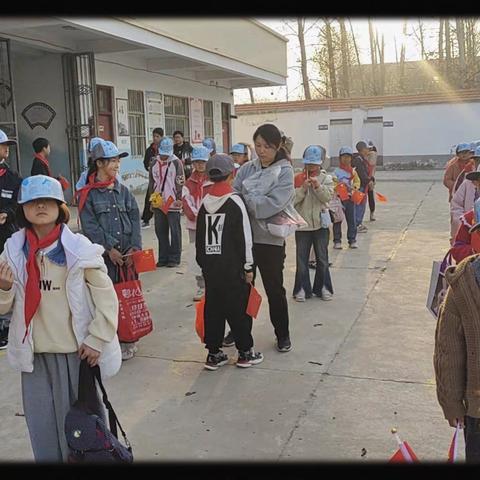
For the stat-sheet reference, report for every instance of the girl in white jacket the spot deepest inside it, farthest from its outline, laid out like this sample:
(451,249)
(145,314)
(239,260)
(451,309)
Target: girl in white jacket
(64,310)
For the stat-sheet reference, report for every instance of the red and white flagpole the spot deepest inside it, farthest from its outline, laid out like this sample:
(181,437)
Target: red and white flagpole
(406,454)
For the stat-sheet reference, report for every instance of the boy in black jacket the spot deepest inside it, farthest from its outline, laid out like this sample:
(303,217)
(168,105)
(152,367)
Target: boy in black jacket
(360,163)
(224,253)
(10,183)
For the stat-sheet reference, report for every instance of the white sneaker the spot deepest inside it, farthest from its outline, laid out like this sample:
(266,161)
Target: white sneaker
(372,217)
(326,295)
(337,246)
(128,350)
(362,229)
(300,296)
(353,245)
(198,296)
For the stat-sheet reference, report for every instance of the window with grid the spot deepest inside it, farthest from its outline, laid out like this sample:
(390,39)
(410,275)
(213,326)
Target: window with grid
(136,121)
(177,116)
(208,118)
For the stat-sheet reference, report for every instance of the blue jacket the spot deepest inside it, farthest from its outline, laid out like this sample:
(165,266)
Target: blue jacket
(111,218)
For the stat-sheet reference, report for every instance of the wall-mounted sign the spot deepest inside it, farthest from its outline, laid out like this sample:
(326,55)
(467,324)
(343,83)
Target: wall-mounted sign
(388,124)
(196,120)
(323,127)
(38,114)
(122,117)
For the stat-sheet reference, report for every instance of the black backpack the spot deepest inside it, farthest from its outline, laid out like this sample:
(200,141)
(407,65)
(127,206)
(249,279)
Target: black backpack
(87,435)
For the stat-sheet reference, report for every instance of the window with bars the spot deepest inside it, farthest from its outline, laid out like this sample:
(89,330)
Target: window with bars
(177,116)
(208,118)
(136,121)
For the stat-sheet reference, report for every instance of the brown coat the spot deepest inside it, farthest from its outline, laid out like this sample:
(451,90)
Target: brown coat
(457,344)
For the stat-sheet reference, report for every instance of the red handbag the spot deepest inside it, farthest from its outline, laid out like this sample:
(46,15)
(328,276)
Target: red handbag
(134,319)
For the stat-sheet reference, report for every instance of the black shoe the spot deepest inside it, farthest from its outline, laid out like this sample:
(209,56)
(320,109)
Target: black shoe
(284,345)
(312,265)
(229,341)
(215,360)
(249,358)
(3,338)
(173,265)
(161,264)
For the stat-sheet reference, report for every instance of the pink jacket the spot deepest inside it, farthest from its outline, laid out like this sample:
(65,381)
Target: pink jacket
(462,201)
(172,185)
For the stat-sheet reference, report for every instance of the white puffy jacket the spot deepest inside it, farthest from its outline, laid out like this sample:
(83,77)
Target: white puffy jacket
(80,254)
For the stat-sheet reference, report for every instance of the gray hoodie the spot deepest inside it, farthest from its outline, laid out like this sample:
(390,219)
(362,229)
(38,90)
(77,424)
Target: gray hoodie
(260,205)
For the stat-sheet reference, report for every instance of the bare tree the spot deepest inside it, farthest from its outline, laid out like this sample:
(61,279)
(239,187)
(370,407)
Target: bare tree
(373,56)
(331,58)
(448,51)
(303,57)
(345,59)
(402,58)
(461,49)
(358,57)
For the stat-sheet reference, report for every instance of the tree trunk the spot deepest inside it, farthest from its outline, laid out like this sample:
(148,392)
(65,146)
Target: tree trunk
(331,58)
(461,50)
(303,58)
(448,51)
(422,41)
(345,59)
(372,55)
(402,58)
(358,58)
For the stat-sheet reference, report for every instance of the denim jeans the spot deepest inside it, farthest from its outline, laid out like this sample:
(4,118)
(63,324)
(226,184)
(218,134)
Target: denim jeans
(349,208)
(304,241)
(360,209)
(169,249)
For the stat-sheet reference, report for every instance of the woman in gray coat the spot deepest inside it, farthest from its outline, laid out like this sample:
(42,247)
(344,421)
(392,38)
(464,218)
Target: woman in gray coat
(266,185)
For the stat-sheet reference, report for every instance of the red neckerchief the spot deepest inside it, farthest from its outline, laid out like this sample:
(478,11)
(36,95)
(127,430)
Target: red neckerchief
(82,194)
(32,288)
(3,169)
(347,169)
(42,159)
(154,147)
(220,189)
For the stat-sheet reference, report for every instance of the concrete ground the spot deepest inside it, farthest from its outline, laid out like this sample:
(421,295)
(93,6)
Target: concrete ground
(360,364)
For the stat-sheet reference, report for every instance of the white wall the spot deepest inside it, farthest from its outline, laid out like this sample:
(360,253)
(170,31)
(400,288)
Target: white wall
(301,126)
(430,129)
(40,79)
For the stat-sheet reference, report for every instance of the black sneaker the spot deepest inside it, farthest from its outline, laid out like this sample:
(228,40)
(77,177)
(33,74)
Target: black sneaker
(161,264)
(249,358)
(312,265)
(284,345)
(215,360)
(173,265)
(3,338)
(229,341)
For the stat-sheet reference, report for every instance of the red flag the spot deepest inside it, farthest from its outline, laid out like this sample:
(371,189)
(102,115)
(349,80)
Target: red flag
(254,302)
(167,204)
(404,454)
(381,198)
(453,450)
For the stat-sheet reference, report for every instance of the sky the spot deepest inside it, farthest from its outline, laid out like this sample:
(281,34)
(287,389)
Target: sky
(391,28)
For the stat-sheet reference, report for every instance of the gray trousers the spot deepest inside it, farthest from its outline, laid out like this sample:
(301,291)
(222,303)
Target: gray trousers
(199,278)
(48,393)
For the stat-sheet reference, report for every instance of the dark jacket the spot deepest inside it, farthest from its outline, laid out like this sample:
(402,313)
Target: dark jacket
(224,238)
(361,168)
(111,218)
(184,152)
(9,187)
(150,155)
(39,168)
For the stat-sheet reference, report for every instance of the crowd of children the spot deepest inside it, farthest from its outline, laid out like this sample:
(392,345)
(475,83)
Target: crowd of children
(239,209)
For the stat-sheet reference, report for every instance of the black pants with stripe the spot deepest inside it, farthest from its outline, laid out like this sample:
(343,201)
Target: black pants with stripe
(226,299)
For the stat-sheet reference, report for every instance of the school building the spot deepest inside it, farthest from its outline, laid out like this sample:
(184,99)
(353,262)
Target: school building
(68,79)
(406,129)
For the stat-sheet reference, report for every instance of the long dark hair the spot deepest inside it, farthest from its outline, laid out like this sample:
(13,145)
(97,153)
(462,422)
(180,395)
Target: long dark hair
(272,136)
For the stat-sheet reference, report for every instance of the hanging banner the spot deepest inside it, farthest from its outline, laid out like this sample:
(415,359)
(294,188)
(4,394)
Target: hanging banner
(196,120)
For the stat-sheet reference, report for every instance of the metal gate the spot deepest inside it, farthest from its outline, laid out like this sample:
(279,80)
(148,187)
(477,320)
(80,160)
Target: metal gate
(81,106)
(8,122)
(373,130)
(340,136)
